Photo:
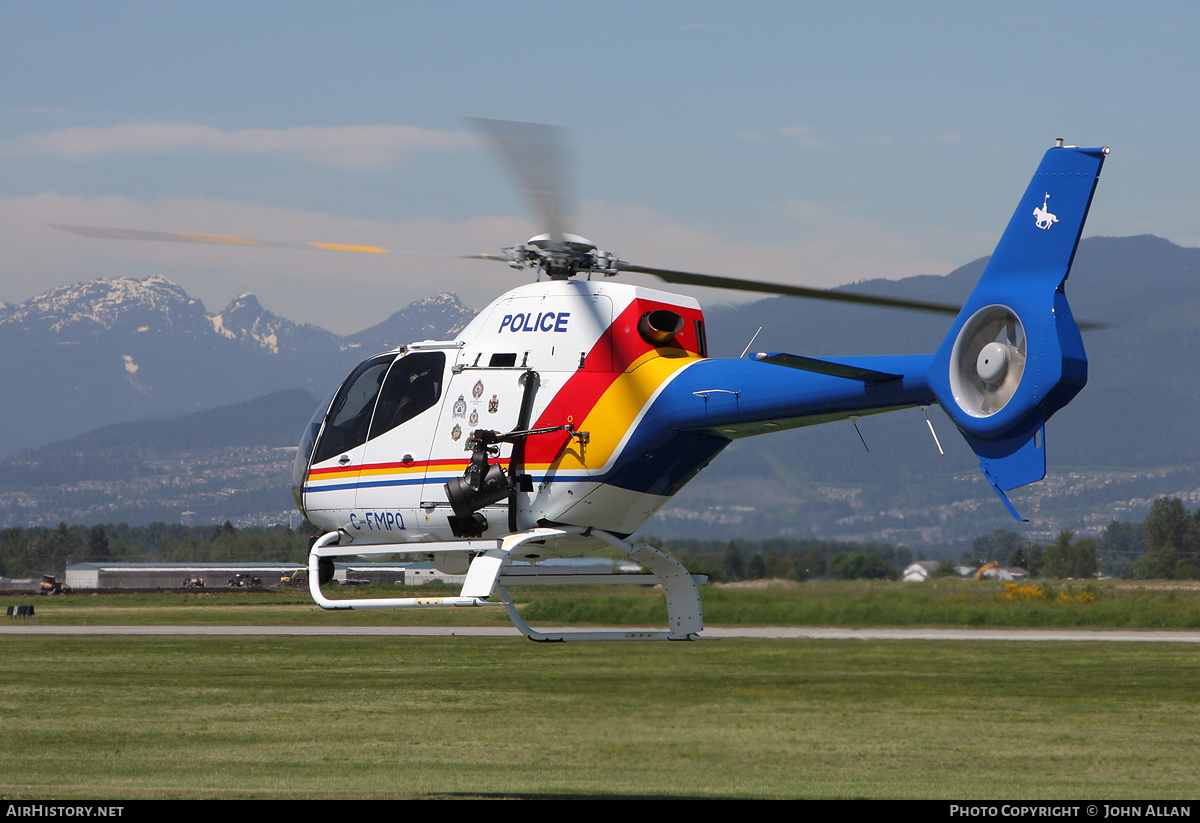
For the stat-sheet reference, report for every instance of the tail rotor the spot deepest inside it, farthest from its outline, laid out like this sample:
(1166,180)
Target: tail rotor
(988,361)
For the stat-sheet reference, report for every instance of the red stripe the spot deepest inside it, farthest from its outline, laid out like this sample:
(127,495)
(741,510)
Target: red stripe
(428,465)
(617,348)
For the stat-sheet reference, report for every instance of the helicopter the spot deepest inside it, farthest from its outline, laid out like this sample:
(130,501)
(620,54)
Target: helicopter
(574,407)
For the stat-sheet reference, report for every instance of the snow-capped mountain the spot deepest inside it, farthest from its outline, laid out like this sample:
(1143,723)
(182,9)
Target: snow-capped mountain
(434,318)
(105,351)
(246,321)
(121,305)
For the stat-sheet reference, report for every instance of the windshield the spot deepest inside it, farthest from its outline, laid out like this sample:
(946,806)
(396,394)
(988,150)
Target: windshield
(379,395)
(307,441)
(413,384)
(350,415)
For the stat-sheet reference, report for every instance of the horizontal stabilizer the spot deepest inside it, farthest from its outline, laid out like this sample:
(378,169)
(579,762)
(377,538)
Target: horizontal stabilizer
(829,367)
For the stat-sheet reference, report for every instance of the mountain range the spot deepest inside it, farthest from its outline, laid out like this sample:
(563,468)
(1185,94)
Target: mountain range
(106,352)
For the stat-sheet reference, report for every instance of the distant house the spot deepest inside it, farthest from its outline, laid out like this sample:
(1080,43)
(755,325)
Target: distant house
(923,570)
(919,571)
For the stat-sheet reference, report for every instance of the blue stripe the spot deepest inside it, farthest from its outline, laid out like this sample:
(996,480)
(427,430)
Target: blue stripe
(554,478)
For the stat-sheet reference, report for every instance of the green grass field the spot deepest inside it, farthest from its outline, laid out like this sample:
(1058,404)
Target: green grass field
(394,717)
(296,717)
(956,603)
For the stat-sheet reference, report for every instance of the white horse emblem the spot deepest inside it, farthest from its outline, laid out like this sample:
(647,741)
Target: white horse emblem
(1044,218)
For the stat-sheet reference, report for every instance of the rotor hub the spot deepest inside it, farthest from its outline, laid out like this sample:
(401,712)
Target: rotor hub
(561,258)
(577,244)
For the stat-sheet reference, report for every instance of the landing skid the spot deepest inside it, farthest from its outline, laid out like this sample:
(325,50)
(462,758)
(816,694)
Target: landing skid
(684,615)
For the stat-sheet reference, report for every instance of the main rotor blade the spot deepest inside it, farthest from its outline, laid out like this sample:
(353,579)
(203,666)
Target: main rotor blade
(220,239)
(535,153)
(233,240)
(669,275)
(735,284)
(712,281)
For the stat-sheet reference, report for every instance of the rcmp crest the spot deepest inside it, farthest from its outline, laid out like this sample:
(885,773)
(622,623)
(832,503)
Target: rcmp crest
(477,392)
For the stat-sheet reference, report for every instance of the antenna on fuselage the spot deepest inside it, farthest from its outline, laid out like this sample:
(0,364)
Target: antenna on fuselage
(751,343)
(928,422)
(854,420)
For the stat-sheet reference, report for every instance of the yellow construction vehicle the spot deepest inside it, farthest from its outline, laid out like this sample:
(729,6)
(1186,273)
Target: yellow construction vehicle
(50,585)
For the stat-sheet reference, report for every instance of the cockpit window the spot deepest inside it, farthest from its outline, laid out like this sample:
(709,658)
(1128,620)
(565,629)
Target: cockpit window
(413,385)
(387,390)
(308,440)
(350,415)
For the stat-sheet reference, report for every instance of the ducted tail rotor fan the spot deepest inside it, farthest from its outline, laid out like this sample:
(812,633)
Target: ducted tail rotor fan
(988,361)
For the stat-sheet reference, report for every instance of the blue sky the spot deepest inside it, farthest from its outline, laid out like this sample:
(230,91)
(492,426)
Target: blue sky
(811,143)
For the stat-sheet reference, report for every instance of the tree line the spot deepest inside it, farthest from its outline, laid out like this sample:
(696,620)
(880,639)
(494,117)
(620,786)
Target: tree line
(788,558)
(32,552)
(1166,545)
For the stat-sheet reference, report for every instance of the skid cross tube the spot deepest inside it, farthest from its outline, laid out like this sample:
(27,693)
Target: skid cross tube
(327,546)
(684,614)
(484,570)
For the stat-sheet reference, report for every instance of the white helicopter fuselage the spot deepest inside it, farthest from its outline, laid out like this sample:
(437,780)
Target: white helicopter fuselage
(612,385)
(577,341)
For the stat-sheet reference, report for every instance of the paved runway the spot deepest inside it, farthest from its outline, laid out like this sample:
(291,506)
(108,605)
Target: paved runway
(782,633)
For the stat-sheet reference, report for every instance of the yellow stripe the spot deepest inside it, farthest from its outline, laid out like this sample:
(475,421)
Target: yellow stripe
(617,409)
(393,470)
(344,247)
(338,475)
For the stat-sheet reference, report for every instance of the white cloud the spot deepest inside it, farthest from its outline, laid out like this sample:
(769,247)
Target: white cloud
(839,248)
(361,146)
(826,248)
(801,134)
